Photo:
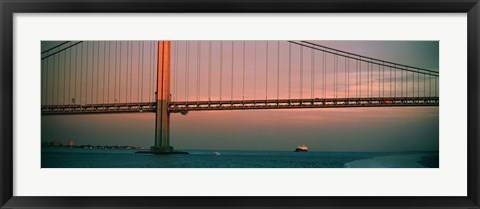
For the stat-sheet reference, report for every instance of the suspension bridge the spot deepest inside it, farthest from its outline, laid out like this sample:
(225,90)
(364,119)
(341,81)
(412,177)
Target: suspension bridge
(165,77)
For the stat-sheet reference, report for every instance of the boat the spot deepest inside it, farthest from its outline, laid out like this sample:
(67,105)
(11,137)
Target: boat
(302,148)
(217,153)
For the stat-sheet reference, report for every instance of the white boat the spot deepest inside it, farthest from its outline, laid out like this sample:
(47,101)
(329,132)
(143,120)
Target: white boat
(302,148)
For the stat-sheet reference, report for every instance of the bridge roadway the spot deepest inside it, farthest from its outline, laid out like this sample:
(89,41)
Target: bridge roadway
(185,107)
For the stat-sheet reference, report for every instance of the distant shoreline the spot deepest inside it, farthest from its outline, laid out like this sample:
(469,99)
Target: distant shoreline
(126,147)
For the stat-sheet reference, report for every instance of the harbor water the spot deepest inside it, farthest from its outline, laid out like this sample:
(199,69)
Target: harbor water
(61,157)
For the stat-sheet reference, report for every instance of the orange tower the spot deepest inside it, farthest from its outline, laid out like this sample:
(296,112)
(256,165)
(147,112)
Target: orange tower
(162,120)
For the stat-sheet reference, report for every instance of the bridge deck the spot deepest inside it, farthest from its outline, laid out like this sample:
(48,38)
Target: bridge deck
(184,107)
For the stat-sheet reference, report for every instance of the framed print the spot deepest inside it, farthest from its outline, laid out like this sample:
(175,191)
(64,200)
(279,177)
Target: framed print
(264,104)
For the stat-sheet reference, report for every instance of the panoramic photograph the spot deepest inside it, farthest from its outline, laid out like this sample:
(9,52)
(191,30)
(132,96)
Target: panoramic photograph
(239,104)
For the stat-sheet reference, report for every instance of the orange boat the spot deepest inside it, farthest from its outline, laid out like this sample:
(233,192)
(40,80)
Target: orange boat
(302,148)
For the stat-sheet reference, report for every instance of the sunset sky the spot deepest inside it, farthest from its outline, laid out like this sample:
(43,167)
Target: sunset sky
(335,129)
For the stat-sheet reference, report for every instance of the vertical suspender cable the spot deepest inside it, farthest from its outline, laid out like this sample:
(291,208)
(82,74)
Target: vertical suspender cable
(58,79)
(150,51)
(131,71)
(72,97)
(413,84)
(356,78)
(174,69)
(93,70)
(406,82)
(372,72)
(395,80)
(347,59)
(373,80)
(359,72)
(301,72)
(75,77)
(187,69)
(86,73)
(424,82)
(81,75)
(390,81)
(379,81)
(266,71)
(120,73)
(127,98)
(43,81)
(401,82)
(278,70)
(119,69)
(177,69)
(430,86)
(383,79)
(209,69)
(94,54)
(42,70)
(143,60)
(64,76)
(46,81)
(98,70)
(335,64)
(243,74)
(289,69)
(198,69)
(336,76)
(115,74)
(154,69)
(221,69)
(150,87)
(418,83)
(231,82)
(312,73)
(346,77)
(255,71)
(150,70)
(69,74)
(138,74)
(324,75)
(104,71)
(368,79)
(108,68)
(155,62)
(53,79)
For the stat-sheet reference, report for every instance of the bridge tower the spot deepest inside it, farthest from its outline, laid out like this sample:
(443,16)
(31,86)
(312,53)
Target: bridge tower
(162,119)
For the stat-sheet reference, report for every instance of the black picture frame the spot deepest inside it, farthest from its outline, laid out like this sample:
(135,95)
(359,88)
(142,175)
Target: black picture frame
(10,7)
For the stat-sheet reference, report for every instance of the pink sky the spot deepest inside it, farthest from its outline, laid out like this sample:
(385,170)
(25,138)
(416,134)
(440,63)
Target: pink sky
(345,129)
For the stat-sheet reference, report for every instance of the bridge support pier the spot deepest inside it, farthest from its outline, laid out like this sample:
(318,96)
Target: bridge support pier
(162,119)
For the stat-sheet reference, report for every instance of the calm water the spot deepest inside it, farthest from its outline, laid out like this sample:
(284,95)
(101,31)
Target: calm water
(91,158)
